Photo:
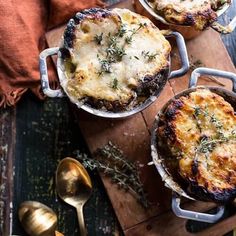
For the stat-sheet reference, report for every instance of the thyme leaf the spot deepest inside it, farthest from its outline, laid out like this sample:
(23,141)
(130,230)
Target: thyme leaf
(128,39)
(98,38)
(114,84)
(148,55)
(105,66)
(122,30)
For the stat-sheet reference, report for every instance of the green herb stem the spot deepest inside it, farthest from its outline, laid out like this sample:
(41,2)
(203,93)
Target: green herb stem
(110,161)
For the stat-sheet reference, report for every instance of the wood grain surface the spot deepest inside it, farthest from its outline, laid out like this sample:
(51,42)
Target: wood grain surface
(36,135)
(7,141)
(132,135)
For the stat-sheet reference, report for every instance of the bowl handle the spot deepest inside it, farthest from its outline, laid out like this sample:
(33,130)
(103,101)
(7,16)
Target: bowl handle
(192,215)
(44,73)
(207,71)
(183,55)
(224,29)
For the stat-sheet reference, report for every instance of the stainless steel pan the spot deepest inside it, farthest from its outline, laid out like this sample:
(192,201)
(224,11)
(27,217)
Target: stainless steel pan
(159,158)
(62,78)
(221,29)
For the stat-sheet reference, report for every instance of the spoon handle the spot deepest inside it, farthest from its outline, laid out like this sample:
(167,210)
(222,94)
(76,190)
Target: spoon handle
(83,231)
(58,233)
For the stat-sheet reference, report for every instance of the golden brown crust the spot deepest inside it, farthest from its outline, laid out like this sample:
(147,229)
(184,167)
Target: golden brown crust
(117,59)
(199,131)
(197,13)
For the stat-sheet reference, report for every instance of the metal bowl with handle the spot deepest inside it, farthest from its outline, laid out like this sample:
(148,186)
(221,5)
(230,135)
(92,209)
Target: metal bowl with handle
(159,158)
(61,71)
(146,8)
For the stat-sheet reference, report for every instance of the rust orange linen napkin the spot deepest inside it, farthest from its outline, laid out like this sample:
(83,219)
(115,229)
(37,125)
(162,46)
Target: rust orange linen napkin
(22,37)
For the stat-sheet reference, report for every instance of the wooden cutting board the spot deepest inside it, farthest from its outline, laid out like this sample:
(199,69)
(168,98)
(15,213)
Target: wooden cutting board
(132,135)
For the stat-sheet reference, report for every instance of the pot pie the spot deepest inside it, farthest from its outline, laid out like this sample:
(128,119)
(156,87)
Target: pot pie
(197,13)
(114,59)
(198,133)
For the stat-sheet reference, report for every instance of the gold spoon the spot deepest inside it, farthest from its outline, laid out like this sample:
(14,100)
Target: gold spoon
(74,186)
(37,219)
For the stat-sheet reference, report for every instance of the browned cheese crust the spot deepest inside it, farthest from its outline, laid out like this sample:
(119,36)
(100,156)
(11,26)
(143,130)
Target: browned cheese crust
(199,132)
(196,13)
(115,59)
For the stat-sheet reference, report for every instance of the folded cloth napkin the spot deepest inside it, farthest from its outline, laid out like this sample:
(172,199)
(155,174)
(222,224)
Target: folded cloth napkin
(22,38)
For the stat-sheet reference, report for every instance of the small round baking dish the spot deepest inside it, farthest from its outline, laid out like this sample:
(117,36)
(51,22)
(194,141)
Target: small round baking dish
(160,159)
(145,8)
(162,79)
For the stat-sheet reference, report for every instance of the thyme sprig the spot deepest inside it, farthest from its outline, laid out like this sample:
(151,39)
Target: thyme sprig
(111,152)
(129,39)
(211,117)
(115,51)
(110,161)
(207,144)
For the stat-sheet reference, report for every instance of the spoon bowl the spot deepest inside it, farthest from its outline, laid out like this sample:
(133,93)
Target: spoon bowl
(74,186)
(37,219)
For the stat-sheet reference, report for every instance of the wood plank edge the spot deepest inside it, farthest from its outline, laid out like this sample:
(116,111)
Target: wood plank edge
(7,124)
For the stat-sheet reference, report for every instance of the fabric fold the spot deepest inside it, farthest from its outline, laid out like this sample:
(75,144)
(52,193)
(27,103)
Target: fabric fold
(22,38)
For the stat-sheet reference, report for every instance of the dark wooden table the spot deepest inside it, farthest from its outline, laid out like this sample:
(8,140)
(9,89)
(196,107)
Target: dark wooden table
(35,136)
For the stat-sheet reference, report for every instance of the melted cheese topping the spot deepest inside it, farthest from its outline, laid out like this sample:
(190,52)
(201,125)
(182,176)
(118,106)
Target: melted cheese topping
(199,13)
(204,129)
(125,74)
(186,5)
